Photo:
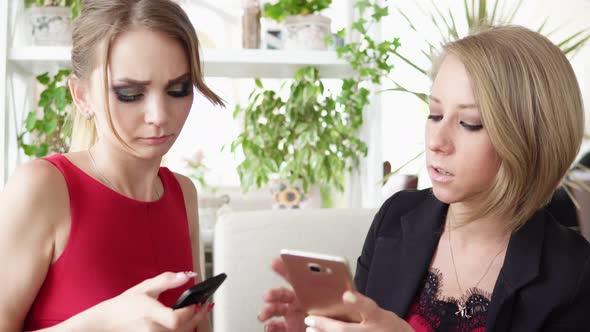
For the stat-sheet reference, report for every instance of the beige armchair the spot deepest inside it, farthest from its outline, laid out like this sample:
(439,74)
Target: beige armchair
(245,243)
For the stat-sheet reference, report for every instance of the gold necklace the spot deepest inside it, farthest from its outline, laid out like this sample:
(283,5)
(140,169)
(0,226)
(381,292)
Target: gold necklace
(463,311)
(107,182)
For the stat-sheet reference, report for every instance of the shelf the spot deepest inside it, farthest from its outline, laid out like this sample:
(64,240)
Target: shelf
(217,63)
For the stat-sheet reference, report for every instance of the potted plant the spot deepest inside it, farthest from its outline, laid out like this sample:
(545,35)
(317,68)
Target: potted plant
(303,138)
(51,20)
(303,29)
(311,137)
(47,129)
(477,15)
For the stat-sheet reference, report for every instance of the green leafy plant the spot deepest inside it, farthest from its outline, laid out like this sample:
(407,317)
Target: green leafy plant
(304,137)
(312,135)
(48,127)
(75,5)
(369,59)
(284,8)
(478,15)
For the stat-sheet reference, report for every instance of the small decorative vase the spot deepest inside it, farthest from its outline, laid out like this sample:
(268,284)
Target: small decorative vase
(307,32)
(292,196)
(50,25)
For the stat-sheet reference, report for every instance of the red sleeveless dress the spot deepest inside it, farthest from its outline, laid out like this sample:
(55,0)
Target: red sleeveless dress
(115,242)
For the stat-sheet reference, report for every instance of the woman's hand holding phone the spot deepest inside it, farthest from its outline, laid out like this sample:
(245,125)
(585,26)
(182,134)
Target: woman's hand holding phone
(362,312)
(282,302)
(137,309)
(374,318)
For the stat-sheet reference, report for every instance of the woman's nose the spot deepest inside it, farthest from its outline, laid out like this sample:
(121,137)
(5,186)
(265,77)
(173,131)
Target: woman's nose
(439,137)
(156,112)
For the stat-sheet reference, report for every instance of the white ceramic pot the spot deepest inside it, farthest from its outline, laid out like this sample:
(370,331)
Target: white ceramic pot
(50,26)
(307,32)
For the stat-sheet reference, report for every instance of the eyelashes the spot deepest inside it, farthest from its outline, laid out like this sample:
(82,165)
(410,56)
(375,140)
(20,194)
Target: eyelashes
(128,94)
(132,94)
(182,89)
(470,127)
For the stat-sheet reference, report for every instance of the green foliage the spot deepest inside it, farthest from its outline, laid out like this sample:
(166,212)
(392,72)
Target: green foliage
(478,15)
(48,127)
(284,8)
(313,134)
(75,5)
(306,136)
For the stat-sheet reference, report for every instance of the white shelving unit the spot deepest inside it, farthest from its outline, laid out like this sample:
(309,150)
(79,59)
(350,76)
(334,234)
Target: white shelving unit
(28,61)
(20,63)
(217,62)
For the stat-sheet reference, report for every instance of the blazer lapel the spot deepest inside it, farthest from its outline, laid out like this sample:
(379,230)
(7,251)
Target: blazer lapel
(421,230)
(521,266)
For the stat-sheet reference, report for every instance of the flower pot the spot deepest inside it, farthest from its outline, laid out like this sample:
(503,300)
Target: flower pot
(292,196)
(307,32)
(50,26)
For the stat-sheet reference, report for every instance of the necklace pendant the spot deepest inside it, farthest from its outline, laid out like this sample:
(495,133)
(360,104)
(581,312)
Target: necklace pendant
(463,311)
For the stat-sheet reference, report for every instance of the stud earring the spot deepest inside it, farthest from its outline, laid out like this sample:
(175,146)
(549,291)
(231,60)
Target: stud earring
(87,115)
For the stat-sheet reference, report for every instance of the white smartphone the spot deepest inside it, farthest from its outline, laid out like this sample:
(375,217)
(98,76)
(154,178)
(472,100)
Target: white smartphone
(319,281)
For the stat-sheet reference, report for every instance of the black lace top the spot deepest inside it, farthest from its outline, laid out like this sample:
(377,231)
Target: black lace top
(431,312)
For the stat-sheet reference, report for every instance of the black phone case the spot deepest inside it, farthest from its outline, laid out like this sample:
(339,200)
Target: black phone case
(200,293)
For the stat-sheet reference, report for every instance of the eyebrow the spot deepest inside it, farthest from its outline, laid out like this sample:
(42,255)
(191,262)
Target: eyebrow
(130,81)
(460,106)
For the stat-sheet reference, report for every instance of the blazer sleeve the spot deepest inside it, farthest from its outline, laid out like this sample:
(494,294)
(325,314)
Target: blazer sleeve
(576,316)
(363,264)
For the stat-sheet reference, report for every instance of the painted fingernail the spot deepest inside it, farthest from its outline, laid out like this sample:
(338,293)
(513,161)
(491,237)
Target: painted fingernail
(309,321)
(186,275)
(349,297)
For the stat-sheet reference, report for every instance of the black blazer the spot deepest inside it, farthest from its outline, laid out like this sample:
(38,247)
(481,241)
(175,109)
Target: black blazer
(544,283)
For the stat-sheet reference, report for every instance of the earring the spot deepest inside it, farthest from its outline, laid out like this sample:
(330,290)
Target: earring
(87,115)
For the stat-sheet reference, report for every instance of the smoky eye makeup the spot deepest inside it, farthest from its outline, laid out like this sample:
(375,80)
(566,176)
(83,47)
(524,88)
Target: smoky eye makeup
(128,94)
(180,89)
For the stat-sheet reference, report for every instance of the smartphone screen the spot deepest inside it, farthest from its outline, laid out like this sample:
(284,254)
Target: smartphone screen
(319,281)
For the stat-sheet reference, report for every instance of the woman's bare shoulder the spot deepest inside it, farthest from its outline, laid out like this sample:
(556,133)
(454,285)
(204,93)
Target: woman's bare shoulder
(36,187)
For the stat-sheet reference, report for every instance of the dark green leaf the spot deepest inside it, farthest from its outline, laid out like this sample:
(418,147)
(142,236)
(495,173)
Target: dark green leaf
(29,149)
(43,78)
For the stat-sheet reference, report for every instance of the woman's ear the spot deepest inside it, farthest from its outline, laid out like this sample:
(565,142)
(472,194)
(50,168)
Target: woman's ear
(81,95)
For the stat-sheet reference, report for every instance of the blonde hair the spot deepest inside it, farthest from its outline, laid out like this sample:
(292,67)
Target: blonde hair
(99,23)
(532,109)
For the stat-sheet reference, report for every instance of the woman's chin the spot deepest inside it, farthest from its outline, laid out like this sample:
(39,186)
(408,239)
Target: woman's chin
(445,195)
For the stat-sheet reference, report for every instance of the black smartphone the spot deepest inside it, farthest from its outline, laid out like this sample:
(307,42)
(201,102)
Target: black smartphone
(200,293)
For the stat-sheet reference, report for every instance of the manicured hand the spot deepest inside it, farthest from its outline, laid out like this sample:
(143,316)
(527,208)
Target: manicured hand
(138,309)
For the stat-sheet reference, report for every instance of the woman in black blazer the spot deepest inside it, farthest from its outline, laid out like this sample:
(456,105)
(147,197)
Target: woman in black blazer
(477,251)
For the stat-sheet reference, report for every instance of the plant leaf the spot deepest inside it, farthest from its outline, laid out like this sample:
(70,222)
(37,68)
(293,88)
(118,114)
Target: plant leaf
(50,126)
(43,78)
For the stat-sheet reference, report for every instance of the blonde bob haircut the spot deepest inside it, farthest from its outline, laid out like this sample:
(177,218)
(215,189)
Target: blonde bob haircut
(531,106)
(98,25)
